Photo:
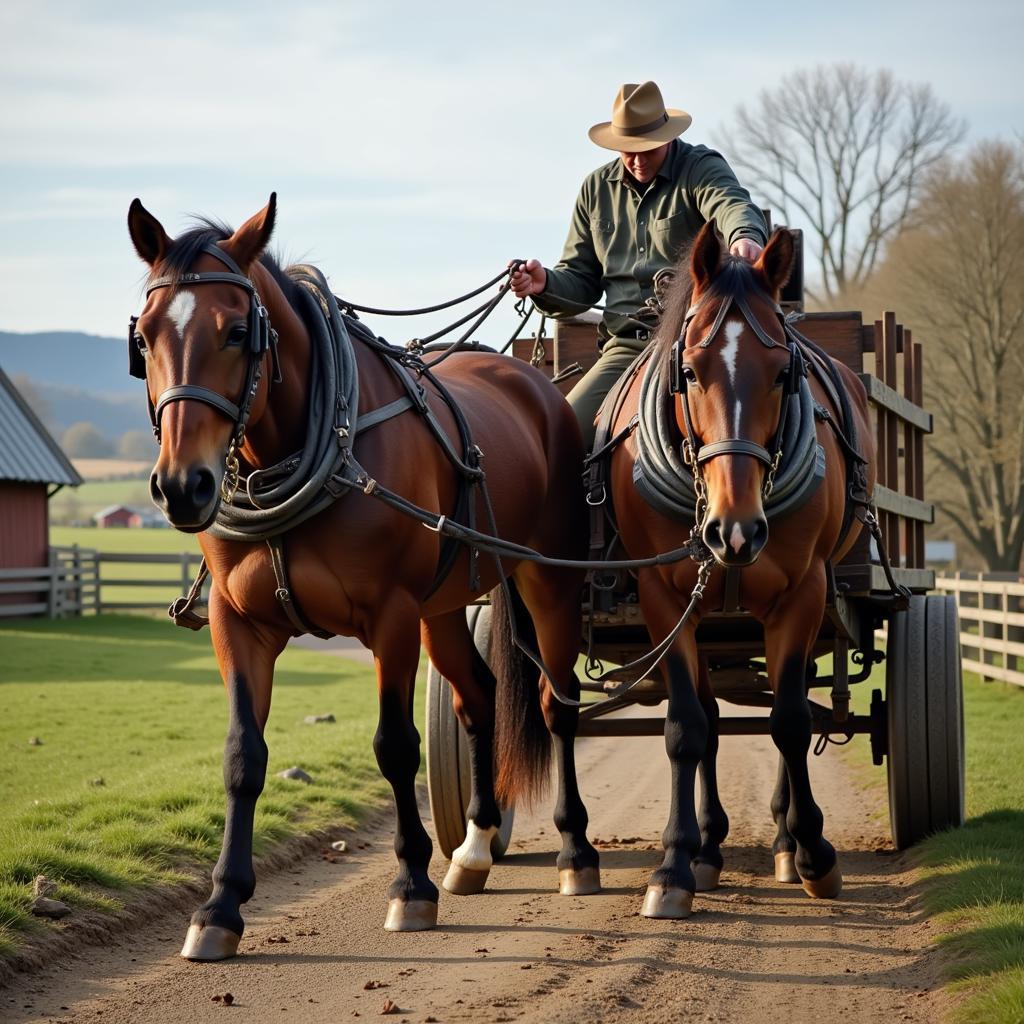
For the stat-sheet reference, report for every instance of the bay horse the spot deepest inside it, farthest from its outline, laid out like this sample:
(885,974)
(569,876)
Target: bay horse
(723,334)
(358,567)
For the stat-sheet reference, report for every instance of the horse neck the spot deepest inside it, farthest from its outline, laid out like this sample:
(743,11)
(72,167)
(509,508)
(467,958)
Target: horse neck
(280,429)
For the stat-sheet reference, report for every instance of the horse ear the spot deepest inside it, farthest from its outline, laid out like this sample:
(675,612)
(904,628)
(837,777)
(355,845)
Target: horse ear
(147,234)
(776,260)
(246,244)
(705,257)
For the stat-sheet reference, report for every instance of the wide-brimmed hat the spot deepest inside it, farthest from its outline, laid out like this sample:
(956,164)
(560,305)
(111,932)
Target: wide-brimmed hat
(639,121)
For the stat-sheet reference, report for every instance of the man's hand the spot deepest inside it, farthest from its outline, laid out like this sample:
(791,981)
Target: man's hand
(746,248)
(529,279)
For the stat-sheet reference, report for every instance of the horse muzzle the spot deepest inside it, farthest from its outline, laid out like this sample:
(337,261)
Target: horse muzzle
(735,543)
(189,498)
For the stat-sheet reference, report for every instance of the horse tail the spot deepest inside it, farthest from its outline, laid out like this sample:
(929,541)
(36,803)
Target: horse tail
(522,743)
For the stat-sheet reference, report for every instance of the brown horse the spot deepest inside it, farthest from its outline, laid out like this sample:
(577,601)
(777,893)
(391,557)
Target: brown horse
(358,567)
(723,327)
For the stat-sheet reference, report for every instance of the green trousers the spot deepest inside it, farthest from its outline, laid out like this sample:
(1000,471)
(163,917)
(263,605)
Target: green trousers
(586,397)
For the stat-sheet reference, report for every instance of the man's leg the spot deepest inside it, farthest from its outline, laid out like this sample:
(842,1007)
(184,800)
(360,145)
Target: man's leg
(586,397)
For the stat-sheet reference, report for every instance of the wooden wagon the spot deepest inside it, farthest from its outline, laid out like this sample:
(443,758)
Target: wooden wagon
(915,726)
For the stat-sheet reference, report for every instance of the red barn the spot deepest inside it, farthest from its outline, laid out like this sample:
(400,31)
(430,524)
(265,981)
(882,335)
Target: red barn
(32,469)
(114,515)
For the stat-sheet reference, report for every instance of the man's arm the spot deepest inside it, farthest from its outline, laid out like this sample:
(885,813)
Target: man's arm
(577,275)
(721,198)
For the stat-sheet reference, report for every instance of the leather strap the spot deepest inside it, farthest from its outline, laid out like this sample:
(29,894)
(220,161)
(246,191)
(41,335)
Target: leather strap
(198,394)
(275,545)
(734,446)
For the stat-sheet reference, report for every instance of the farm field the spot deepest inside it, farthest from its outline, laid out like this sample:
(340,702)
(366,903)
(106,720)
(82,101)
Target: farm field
(125,787)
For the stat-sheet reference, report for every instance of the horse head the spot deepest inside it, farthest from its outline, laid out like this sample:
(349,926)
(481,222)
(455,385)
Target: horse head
(201,344)
(733,367)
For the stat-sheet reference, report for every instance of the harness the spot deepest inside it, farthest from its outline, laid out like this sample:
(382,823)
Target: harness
(669,476)
(265,505)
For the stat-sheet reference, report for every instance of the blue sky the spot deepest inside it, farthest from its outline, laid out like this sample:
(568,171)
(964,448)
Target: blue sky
(414,147)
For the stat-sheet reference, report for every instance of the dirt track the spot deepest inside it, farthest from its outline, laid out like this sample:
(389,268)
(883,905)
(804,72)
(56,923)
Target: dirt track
(521,952)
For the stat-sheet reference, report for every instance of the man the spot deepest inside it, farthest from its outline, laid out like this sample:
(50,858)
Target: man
(632,219)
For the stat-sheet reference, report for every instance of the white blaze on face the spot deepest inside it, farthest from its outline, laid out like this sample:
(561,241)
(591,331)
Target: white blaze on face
(475,852)
(733,330)
(736,538)
(180,311)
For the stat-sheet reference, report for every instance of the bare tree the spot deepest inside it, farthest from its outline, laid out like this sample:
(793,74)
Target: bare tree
(956,276)
(841,152)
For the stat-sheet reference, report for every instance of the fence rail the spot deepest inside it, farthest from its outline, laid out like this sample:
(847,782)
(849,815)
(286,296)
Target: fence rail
(75,582)
(991,609)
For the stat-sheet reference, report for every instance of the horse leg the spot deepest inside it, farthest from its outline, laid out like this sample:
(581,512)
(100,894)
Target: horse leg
(788,644)
(713,821)
(246,657)
(395,642)
(556,623)
(455,656)
(784,847)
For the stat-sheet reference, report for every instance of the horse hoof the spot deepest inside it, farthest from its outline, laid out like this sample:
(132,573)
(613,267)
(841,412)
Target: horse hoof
(707,876)
(826,888)
(209,943)
(579,882)
(465,881)
(785,868)
(671,904)
(410,916)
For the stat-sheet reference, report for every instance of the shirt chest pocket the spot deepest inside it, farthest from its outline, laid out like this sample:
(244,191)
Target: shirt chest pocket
(670,235)
(602,231)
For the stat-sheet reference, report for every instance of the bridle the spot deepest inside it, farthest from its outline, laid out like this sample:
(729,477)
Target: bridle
(694,453)
(262,338)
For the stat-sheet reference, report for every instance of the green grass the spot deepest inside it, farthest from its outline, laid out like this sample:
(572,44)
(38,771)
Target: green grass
(139,704)
(974,876)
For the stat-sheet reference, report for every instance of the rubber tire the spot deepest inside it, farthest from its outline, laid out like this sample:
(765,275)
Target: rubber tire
(924,698)
(448,771)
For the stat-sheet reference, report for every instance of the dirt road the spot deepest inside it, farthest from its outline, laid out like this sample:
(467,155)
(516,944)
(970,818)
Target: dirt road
(752,950)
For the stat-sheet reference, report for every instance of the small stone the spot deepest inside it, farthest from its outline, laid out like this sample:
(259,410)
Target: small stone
(317,719)
(53,909)
(371,985)
(390,1006)
(295,773)
(228,998)
(35,741)
(98,781)
(340,846)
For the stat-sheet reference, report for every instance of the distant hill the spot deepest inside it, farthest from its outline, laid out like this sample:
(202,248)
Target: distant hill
(74,377)
(69,359)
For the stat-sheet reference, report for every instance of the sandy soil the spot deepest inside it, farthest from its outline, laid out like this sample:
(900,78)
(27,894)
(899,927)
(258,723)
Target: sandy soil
(315,950)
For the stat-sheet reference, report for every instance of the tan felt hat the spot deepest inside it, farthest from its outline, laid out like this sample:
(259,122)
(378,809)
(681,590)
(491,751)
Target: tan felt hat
(639,121)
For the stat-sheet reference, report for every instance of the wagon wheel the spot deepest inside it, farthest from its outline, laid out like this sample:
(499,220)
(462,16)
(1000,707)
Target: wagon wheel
(924,695)
(448,771)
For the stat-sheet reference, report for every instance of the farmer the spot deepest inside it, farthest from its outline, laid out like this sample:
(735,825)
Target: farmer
(632,219)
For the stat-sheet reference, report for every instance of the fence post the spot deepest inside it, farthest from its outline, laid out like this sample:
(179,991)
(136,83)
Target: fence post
(51,593)
(76,565)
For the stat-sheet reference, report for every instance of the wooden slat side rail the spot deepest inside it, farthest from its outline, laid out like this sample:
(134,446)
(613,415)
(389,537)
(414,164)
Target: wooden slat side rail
(893,402)
(910,509)
(890,341)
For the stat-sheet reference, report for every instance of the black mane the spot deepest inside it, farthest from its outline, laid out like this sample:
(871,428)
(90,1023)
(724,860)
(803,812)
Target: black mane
(189,245)
(735,277)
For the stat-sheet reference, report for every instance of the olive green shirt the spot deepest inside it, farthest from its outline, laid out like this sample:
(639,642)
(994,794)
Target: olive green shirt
(621,235)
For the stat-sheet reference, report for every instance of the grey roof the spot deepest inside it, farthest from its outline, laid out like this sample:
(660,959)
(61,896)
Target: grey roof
(27,451)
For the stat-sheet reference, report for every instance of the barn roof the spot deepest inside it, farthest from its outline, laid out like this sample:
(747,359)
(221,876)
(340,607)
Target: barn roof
(27,451)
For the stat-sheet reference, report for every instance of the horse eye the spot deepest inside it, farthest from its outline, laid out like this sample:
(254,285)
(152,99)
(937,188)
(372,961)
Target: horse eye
(238,334)
(689,376)
(782,378)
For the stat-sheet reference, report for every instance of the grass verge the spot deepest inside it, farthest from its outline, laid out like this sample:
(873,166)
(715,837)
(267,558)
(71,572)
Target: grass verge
(124,789)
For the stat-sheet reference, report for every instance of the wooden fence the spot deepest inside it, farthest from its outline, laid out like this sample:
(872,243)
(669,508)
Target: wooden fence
(991,622)
(75,582)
